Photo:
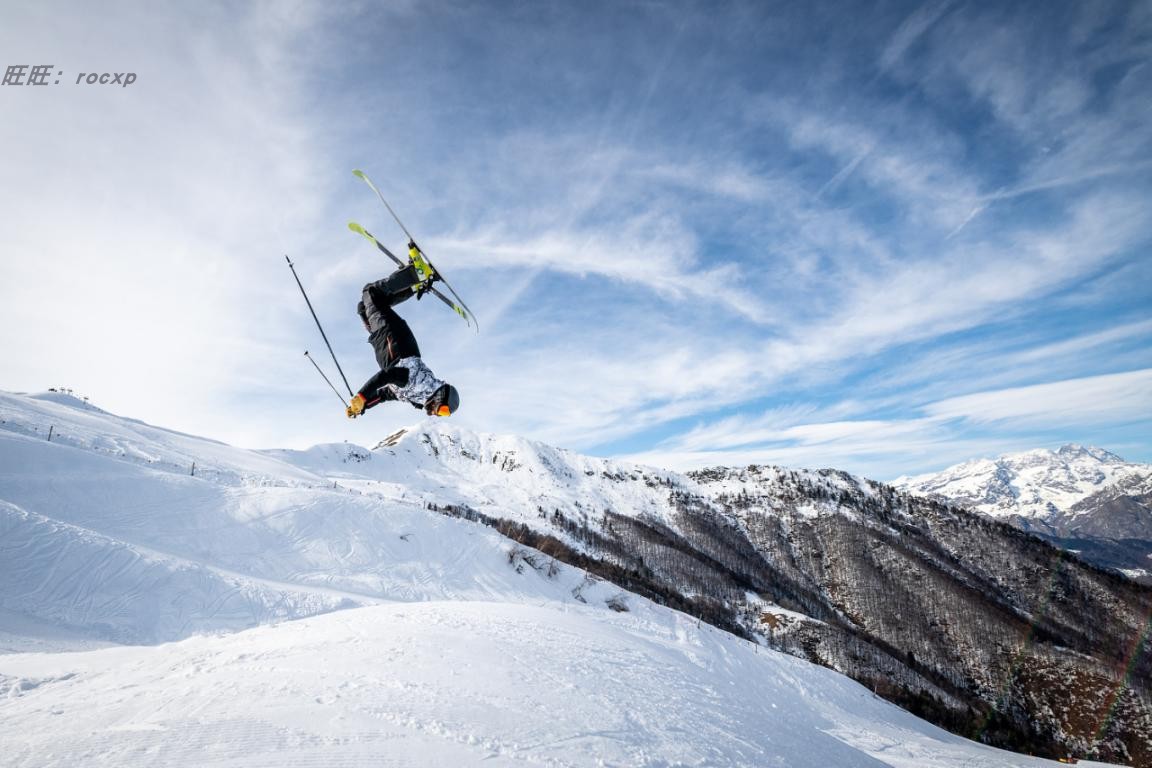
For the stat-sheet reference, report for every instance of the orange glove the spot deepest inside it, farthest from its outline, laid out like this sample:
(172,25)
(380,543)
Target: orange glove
(356,407)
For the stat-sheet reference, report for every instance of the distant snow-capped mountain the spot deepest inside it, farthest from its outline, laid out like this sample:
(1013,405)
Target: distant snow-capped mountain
(113,530)
(1084,499)
(1041,486)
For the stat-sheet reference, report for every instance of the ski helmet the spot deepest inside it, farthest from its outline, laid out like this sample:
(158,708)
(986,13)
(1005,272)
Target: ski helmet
(443,402)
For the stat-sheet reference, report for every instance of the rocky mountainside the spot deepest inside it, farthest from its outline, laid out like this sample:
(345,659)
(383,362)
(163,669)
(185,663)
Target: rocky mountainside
(964,620)
(1083,499)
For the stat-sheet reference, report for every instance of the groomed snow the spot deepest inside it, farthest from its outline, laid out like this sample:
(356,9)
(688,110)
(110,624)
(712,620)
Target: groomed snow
(457,684)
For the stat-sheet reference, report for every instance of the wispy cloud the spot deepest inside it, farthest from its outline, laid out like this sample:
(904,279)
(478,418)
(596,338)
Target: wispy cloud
(1124,397)
(940,434)
(910,30)
(869,290)
(161,208)
(652,253)
(808,240)
(1033,186)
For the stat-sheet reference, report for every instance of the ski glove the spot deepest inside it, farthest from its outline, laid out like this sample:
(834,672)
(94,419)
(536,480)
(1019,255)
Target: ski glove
(356,407)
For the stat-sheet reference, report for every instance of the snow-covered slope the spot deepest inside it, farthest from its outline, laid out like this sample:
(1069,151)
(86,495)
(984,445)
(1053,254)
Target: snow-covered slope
(418,638)
(1085,500)
(461,683)
(107,536)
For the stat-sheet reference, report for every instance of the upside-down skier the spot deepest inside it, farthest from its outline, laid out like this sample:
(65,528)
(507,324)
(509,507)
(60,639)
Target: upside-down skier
(403,374)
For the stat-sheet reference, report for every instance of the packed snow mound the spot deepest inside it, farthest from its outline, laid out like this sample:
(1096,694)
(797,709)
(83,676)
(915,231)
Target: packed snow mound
(102,588)
(450,684)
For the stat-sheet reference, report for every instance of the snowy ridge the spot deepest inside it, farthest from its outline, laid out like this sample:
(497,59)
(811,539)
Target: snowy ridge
(509,474)
(1086,500)
(453,645)
(73,422)
(1038,484)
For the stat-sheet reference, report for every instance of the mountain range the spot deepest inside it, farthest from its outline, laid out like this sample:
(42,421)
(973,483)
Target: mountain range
(473,597)
(1083,499)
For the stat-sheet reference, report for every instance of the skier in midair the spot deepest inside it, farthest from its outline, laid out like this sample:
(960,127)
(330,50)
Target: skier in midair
(403,374)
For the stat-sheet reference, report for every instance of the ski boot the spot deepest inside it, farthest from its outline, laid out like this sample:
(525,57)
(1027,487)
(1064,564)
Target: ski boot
(424,272)
(423,269)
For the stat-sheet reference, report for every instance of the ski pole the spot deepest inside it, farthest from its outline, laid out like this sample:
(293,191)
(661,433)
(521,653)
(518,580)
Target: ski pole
(325,336)
(317,367)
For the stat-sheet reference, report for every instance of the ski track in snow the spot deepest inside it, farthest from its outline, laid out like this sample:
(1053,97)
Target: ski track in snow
(444,654)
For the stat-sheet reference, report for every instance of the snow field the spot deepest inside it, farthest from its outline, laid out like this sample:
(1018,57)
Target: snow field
(460,683)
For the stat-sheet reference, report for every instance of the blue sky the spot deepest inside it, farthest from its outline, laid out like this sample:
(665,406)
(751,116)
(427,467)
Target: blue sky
(883,237)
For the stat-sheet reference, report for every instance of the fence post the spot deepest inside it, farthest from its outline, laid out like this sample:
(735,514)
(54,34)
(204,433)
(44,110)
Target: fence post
(50,430)
(193,469)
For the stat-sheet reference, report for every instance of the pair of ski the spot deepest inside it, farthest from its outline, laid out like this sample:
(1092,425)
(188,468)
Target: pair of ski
(417,258)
